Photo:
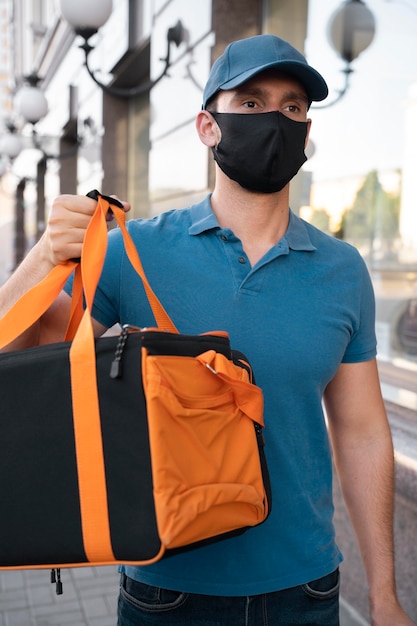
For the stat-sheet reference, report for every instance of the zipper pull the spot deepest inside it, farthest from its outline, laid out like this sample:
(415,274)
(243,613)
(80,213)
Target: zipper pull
(260,435)
(56,580)
(58,588)
(116,366)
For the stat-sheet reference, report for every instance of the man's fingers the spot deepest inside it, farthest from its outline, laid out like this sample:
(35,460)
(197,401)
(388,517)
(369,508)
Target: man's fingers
(68,220)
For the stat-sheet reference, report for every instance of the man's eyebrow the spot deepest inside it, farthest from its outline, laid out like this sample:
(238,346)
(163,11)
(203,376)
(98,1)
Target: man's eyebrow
(244,90)
(296,95)
(247,91)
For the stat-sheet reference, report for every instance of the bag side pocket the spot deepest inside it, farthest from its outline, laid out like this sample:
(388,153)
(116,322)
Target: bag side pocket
(205,460)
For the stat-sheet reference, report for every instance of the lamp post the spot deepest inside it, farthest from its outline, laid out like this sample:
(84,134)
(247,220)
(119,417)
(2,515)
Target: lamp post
(86,18)
(10,147)
(19,230)
(11,143)
(32,105)
(351,30)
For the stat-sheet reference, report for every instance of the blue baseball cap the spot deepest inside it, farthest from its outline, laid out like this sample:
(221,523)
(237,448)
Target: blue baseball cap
(245,58)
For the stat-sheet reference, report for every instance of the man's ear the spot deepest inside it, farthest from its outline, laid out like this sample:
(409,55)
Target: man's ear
(207,129)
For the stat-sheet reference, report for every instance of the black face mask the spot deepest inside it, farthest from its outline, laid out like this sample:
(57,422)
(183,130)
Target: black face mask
(260,151)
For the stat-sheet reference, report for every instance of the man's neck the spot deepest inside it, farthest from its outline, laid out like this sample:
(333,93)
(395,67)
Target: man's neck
(259,220)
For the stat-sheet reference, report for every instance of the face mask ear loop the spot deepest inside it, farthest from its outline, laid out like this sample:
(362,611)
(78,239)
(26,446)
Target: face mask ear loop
(212,113)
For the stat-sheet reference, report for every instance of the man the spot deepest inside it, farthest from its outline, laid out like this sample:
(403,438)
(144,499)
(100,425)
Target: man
(300,305)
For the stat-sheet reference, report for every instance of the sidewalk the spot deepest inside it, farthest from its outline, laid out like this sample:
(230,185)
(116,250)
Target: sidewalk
(89,598)
(90,595)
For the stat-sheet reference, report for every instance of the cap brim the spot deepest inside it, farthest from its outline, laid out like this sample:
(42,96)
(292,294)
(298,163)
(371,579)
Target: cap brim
(312,81)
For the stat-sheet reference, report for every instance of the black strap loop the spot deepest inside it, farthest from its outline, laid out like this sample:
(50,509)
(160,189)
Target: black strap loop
(94,194)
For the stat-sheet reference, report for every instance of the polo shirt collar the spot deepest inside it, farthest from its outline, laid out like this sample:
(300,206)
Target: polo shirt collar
(297,235)
(203,219)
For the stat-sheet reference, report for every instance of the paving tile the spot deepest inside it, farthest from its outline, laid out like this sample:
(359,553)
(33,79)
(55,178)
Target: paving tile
(13,599)
(12,580)
(18,618)
(43,594)
(68,618)
(95,607)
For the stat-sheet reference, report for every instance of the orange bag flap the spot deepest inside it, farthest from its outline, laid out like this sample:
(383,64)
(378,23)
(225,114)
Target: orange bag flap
(205,460)
(248,397)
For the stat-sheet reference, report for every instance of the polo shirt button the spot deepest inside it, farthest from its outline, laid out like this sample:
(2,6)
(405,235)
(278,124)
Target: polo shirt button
(242,260)
(223,237)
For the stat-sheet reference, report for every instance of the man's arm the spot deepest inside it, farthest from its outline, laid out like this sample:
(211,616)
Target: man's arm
(62,240)
(364,459)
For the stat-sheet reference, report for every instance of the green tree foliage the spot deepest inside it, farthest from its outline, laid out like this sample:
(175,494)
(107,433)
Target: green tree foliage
(374,214)
(321,220)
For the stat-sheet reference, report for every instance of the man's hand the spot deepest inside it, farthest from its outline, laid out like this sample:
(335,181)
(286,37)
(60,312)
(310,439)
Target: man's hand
(67,223)
(364,458)
(390,613)
(62,240)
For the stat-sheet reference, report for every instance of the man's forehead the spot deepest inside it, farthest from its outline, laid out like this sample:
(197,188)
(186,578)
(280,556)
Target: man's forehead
(271,78)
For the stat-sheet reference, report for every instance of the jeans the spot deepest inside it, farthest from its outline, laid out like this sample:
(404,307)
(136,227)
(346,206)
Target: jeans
(312,604)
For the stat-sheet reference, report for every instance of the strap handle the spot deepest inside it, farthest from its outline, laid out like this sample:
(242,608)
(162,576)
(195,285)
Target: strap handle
(163,321)
(31,306)
(85,401)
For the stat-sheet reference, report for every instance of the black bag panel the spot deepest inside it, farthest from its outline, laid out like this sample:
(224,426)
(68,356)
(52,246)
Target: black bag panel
(134,533)
(39,487)
(184,345)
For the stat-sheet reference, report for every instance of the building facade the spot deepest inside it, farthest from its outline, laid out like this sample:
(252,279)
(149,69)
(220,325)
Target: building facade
(128,145)
(142,147)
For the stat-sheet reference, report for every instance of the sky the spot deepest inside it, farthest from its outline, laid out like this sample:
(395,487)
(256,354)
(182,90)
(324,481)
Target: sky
(365,130)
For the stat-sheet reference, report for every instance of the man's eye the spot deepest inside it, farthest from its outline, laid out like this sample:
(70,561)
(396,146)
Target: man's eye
(292,108)
(250,104)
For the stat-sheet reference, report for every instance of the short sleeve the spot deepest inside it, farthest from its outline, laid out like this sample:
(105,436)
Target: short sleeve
(362,346)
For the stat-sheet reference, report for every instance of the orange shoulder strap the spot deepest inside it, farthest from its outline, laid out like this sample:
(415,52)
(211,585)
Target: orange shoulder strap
(31,306)
(86,411)
(162,318)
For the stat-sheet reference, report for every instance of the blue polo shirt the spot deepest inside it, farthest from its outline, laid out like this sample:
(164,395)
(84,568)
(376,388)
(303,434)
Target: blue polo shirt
(303,309)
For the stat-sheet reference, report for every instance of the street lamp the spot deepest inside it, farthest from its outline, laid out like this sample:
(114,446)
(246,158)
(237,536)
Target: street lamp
(30,101)
(86,18)
(10,144)
(31,104)
(351,30)
(3,166)
(10,147)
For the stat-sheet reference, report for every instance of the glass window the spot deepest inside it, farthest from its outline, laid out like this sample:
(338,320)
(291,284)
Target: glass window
(176,100)
(364,183)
